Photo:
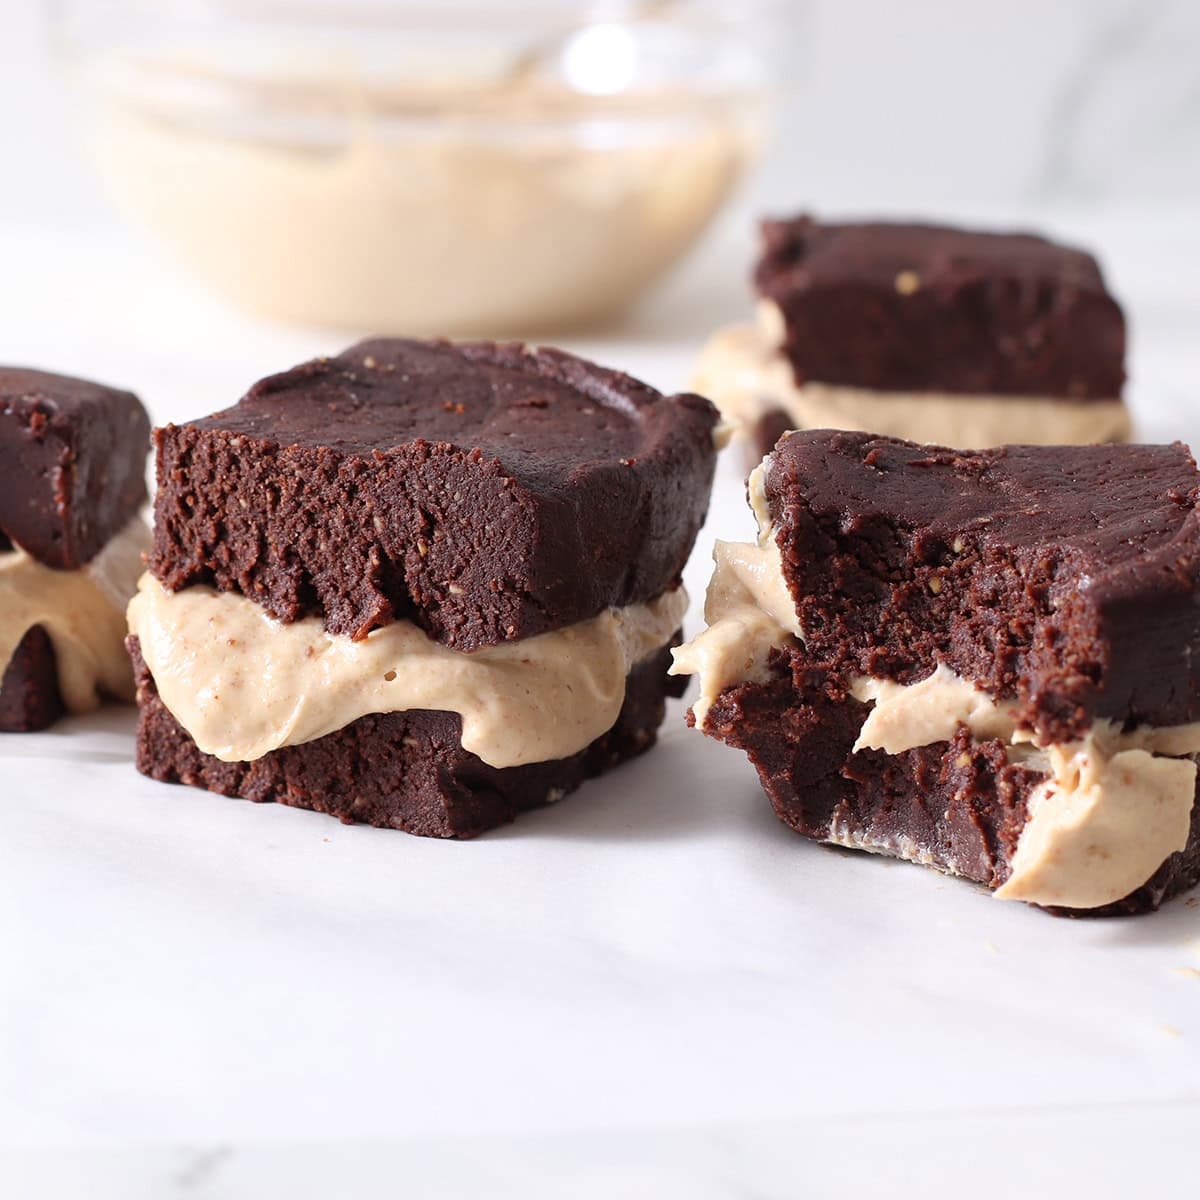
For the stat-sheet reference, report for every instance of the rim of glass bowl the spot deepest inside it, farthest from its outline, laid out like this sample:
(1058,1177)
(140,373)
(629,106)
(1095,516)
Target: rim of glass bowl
(308,72)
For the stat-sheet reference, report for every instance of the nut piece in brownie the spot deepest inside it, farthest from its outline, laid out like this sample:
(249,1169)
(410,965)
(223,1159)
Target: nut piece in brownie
(72,464)
(923,331)
(422,584)
(987,662)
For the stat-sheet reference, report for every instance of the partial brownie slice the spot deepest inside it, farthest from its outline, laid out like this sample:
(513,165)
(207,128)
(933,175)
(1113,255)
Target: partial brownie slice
(72,478)
(929,308)
(1064,578)
(29,696)
(979,661)
(72,464)
(966,338)
(486,492)
(959,806)
(404,770)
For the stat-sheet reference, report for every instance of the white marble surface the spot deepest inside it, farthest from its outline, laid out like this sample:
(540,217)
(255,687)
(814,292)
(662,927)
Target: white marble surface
(988,1154)
(653,989)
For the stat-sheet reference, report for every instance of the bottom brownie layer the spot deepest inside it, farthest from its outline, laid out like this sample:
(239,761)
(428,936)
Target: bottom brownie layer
(403,770)
(958,806)
(29,695)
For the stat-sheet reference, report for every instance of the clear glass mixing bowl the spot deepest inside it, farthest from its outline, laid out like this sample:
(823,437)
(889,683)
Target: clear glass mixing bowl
(511,167)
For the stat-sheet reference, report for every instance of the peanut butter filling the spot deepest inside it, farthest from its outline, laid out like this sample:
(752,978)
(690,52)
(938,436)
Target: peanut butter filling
(82,612)
(243,684)
(1110,812)
(1100,826)
(748,608)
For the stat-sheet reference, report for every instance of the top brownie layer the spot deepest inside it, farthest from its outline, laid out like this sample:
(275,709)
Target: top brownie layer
(927,308)
(72,464)
(1066,578)
(488,492)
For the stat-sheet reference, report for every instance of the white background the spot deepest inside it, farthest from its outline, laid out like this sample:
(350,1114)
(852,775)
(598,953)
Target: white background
(928,105)
(654,989)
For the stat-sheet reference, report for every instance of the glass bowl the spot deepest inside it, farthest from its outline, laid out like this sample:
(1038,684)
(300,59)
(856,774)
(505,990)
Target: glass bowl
(455,168)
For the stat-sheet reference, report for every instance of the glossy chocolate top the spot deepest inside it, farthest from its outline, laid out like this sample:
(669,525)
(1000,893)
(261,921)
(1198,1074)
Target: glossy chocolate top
(905,307)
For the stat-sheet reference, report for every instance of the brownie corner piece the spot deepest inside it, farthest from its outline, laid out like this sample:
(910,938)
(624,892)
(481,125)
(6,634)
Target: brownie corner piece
(72,479)
(462,486)
(989,664)
(30,699)
(911,307)
(72,462)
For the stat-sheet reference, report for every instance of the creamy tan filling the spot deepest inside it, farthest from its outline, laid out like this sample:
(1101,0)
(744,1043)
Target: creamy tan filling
(242,684)
(1100,826)
(82,611)
(905,716)
(748,608)
(743,372)
(378,232)
(1110,812)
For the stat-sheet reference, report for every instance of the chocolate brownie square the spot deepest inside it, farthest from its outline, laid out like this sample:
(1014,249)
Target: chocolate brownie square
(423,585)
(987,662)
(968,337)
(485,491)
(930,308)
(72,462)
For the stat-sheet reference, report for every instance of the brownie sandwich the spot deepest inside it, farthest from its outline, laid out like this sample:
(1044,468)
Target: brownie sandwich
(926,332)
(422,585)
(72,482)
(986,662)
